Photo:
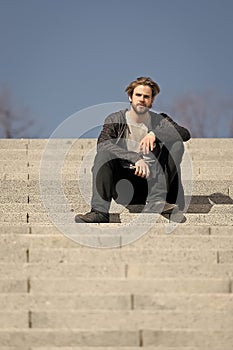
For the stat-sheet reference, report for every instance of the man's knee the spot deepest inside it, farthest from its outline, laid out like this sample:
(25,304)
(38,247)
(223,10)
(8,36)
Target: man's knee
(177,147)
(102,160)
(103,157)
(176,151)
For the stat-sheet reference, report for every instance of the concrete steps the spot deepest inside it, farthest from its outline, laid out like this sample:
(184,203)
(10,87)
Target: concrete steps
(164,290)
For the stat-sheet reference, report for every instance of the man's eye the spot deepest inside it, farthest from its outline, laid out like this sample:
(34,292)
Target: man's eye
(145,96)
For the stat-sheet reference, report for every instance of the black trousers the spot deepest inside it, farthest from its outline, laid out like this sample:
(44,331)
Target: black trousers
(113,179)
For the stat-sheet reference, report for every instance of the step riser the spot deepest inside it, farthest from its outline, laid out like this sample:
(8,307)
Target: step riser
(158,302)
(211,340)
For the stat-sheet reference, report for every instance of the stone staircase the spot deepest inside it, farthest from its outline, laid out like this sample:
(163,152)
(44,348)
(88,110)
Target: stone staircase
(170,288)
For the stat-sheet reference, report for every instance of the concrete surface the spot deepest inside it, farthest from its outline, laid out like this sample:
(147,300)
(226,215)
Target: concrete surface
(163,291)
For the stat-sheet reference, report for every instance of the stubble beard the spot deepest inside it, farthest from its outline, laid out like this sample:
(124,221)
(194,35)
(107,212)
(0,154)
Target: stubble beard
(139,109)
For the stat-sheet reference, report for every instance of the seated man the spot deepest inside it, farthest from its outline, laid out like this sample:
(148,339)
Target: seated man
(138,158)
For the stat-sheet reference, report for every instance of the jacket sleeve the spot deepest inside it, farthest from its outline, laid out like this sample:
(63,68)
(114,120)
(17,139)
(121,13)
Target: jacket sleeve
(110,139)
(167,130)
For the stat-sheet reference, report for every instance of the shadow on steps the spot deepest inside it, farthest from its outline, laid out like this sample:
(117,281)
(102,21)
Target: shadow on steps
(203,204)
(198,205)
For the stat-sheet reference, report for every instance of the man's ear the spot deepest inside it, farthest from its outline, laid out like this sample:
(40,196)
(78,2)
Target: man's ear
(153,98)
(130,99)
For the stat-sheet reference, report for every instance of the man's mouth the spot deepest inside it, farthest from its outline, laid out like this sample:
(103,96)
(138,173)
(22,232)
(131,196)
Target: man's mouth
(140,108)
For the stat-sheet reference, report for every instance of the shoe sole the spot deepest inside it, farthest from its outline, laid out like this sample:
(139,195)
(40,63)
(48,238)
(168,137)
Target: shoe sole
(79,220)
(170,211)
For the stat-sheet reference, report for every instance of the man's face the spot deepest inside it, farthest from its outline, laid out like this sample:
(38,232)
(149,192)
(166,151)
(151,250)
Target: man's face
(142,99)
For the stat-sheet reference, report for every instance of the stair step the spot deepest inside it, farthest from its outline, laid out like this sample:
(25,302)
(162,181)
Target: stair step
(118,338)
(77,255)
(211,339)
(24,338)
(156,302)
(74,188)
(159,229)
(153,240)
(121,286)
(206,206)
(60,218)
(67,219)
(101,271)
(119,319)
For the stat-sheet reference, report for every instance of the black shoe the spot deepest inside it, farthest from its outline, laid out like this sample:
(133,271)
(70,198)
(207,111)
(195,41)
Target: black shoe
(92,217)
(161,207)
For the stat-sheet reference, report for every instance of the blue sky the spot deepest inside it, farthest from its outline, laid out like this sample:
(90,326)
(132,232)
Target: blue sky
(61,56)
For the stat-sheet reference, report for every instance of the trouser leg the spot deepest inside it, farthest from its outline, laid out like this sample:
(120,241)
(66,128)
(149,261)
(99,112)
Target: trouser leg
(157,185)
(173,170)
(175,154)
(166,182)
(104,173)
(112,181)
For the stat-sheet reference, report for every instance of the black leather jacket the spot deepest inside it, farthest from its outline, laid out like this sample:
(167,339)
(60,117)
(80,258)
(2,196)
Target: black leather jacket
(113,134)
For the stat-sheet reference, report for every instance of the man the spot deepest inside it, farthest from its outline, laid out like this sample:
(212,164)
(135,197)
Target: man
(138,158)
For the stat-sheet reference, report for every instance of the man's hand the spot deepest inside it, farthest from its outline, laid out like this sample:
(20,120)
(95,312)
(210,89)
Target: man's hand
(147,143)
(142,169)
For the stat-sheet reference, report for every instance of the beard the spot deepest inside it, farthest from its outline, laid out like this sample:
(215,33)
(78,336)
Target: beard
(140,109)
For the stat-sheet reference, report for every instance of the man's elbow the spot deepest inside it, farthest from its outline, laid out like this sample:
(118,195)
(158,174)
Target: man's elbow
(186,136)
